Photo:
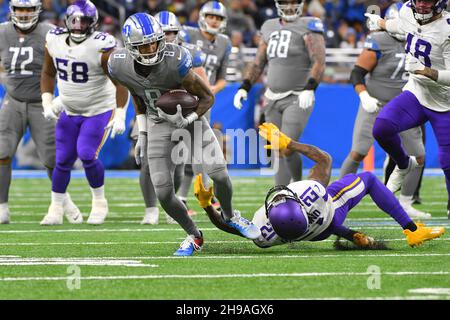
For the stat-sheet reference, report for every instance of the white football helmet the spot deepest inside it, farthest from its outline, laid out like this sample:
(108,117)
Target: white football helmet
(142,29)
(214,8)
(25,21)
(393,12)
(289,10)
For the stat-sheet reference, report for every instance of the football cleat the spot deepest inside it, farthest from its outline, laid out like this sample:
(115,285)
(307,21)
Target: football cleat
(189,246)
(398,175)
(245,227)
(151,216)
(170,220)
(99,212)
(54,216)
(422,234)
(71,211)
(4,215)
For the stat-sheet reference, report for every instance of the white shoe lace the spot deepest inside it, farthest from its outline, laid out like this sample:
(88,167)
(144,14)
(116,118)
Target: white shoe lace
(187,243)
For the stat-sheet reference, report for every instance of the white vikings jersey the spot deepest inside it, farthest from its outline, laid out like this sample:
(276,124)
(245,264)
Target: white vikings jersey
(319,208)
(83,86)
(430,43)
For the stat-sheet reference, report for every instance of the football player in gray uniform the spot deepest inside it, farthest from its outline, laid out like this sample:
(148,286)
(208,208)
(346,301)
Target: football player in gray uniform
(150,67)
(22,43)
(384,58)
(216,47)
(293,48)
(171,27)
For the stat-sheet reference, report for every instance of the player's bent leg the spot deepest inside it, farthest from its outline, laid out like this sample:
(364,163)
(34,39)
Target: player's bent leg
(351,163)
(185,186)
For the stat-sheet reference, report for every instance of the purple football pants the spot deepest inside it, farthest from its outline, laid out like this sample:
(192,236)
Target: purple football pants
(405,112)
(79,137)
(349,190)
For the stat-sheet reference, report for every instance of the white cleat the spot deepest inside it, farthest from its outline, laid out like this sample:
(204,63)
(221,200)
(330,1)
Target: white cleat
(170,220)
(99,212)
(413,213)
(151,216)
(398,175)
(71,211)
(4,216)
(54,216)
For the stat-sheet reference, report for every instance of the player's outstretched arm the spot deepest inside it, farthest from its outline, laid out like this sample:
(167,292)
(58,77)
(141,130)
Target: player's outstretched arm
(321,172)
(197,87)
(204,198)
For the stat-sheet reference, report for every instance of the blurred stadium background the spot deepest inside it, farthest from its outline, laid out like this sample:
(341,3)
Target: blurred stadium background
(331,124)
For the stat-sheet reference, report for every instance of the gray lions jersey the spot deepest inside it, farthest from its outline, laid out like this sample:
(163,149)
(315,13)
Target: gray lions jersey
(22,56)
(289,64)
(165,76)
(216,53)
(389,76)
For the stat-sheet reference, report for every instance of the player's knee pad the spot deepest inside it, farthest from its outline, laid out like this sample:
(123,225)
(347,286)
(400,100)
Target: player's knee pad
(161,180)
(383,128)
(165,194)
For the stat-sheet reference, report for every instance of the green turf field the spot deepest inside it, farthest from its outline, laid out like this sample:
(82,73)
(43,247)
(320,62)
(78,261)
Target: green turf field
(124,260)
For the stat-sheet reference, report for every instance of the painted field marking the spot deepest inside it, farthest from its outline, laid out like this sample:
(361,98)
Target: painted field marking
(17,261)
(227,276)
(439,291)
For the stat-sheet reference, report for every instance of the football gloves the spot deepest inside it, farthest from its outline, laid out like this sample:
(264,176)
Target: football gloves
(140,149)
(117,124)
(372,21)
(52,107)
(177,119)
(203,196)
(369,103)
(277,139)
(306,99)
(240,95)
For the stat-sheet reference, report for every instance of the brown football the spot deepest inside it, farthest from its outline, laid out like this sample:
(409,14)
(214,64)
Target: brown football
(168,102)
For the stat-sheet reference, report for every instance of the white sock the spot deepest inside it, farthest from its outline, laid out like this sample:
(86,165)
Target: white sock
(151,210)
(406,200)
(98,193)
(58,198)
(4,206)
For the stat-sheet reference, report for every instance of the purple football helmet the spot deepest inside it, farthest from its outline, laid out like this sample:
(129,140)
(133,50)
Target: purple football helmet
(423,16)
(81,19)
(286,213)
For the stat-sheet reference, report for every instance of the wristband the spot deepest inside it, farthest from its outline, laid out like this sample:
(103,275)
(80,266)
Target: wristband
(312,84)
(444,77)
(141,122)
(47,98)
(246,85)
(192,117)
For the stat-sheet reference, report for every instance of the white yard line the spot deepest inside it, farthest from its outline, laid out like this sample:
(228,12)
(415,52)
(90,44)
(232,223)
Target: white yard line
(227,276)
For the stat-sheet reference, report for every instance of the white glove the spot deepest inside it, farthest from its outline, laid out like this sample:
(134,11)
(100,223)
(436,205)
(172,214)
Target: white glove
(369,103)
(412,64)
(372,21)
(240,95)
(141,148)
(177,119)
(52,107)
(306,99)
(117,123)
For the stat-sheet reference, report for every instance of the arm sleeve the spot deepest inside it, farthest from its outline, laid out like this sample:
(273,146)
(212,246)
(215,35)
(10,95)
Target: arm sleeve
(444,75)
(394,26)
(185,63)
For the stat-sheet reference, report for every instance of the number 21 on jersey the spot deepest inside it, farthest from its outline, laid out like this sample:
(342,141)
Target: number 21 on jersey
(279,44)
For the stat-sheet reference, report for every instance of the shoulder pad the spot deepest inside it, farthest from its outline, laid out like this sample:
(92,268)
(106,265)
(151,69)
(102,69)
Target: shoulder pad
(104,41)
(315,25)
(371,43)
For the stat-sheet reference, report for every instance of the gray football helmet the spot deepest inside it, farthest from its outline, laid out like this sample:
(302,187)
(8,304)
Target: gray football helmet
(25,21)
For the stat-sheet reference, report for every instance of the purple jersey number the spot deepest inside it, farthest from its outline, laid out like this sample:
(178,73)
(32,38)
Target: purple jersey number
(79,71)
(422,49)
(267,232)
(309,197)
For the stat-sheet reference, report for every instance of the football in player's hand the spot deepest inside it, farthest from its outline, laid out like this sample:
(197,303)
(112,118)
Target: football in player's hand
(168,102)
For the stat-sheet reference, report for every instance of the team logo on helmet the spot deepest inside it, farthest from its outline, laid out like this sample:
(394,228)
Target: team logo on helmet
(139,31)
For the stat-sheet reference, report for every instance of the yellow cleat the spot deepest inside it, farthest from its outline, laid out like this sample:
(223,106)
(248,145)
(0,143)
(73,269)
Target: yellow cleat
(422,234)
